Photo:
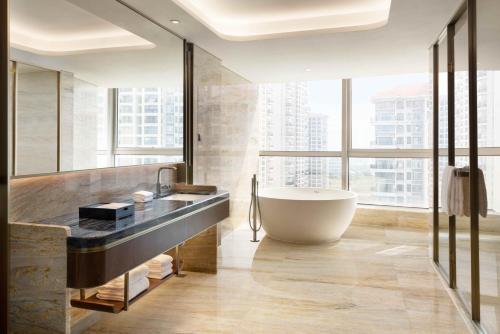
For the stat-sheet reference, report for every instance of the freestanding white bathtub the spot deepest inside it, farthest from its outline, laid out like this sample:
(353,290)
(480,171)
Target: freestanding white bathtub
(306,215)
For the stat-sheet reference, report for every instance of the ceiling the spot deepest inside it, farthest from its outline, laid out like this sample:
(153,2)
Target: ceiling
(37,27)
(261,19)
(160,64)
(400,46)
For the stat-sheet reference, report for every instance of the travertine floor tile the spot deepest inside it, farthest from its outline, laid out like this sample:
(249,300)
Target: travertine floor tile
(375,280)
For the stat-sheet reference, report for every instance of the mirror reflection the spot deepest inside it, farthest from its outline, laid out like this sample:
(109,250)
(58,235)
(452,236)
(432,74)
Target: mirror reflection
(98,87)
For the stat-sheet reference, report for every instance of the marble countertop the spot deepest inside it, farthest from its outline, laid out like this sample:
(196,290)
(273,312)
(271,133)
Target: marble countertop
(89,233)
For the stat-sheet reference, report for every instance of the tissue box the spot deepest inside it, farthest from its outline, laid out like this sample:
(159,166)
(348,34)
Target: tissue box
(107,211)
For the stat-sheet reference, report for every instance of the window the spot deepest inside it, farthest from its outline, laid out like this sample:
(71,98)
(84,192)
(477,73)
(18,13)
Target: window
(300,172)
(301,116)
(390,117)
(130,160)
(381,181)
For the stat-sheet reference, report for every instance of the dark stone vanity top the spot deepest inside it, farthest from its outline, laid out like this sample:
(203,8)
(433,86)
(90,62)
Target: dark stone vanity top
(90,233)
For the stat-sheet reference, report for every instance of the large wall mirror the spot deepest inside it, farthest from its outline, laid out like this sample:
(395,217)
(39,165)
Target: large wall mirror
(94,85)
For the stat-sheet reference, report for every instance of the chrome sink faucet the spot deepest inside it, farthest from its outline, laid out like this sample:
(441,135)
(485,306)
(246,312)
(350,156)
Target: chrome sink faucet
(159,186)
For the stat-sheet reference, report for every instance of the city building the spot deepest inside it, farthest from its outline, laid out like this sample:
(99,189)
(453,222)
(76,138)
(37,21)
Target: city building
(401,121)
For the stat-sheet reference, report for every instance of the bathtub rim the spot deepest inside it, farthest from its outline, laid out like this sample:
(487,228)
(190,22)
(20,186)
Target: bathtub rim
(353,195)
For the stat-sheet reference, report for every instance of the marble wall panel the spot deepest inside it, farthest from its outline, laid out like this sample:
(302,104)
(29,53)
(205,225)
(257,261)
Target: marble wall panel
(226,124)
(36,122)
(67,119)
(85,122)
(392,217)
(199,254)
(41,197)
(38,297)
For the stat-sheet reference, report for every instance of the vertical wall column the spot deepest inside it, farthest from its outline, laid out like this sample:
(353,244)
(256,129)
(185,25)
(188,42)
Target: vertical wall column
(435,152)
(4,163)
(188,110)
(346,130)
(473,162)
(451,147)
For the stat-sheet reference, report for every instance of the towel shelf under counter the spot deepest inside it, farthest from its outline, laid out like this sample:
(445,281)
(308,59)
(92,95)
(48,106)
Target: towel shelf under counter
(112,306)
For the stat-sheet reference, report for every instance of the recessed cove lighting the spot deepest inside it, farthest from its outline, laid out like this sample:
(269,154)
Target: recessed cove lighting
(34,28)
(174,21)
(243,20)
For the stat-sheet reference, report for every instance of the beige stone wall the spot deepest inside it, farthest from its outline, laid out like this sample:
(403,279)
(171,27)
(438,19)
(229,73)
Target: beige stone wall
(226,120)
(84,125)
(67,116)
(38,297)
(392,217)
(42,197)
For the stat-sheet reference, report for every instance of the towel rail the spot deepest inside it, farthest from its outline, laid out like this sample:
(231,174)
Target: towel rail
(461,173)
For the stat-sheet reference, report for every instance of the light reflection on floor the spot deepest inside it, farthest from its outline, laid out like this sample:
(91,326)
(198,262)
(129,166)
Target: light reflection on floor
(375,280)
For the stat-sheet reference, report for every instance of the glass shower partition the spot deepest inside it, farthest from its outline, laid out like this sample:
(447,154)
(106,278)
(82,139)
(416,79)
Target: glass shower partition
(461,126)
(442,142)
(488,119)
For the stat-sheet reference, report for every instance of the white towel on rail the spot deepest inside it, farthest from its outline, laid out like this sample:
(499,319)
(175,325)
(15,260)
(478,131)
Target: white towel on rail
(455,193)
(482,194)
(448,190)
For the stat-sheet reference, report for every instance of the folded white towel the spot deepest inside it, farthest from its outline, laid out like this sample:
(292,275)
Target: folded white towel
(140,196)
(161,259)
(143,196)
(134,275)
(117,294)
(159,271)
(159,267)
(143,193)
(143,200)
(161,274)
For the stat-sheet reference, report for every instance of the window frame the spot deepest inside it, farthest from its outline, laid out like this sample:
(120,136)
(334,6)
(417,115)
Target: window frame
(348,152)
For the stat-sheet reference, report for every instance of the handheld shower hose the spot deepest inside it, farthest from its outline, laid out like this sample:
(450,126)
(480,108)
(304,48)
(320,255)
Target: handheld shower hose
(254,210)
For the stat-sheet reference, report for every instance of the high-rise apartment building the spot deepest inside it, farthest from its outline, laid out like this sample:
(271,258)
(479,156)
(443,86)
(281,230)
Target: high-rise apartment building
(150,117)
(288,124)
(401,121)
(285,127)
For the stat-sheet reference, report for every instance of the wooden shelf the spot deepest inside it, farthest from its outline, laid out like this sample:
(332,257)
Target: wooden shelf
(112,306)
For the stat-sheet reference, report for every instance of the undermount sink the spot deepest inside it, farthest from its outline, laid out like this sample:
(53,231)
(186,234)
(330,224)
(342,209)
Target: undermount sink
(184,197)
